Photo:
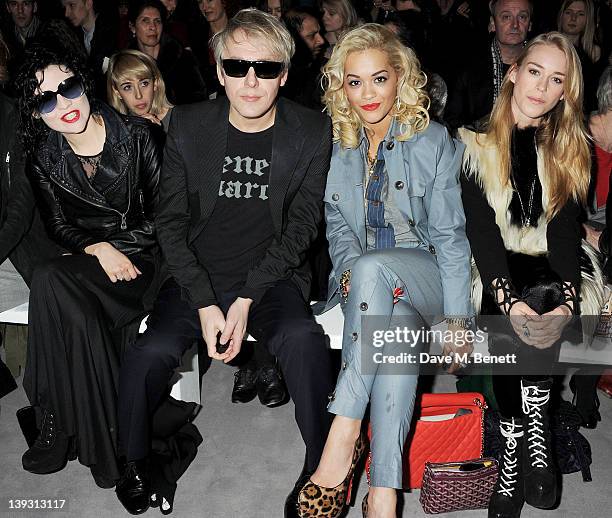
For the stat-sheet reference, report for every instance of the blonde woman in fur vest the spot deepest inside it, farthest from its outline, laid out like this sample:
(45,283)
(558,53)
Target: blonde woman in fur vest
(526,175)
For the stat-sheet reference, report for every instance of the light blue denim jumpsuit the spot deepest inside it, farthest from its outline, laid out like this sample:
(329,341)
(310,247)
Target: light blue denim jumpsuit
(428,258)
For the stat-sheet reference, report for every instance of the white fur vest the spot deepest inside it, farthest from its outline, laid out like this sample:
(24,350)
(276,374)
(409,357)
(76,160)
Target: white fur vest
(482,160)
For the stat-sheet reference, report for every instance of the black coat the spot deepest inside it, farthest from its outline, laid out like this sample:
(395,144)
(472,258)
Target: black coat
(22,235)
(189,185)
(471,98)
(76,214)
(181,72)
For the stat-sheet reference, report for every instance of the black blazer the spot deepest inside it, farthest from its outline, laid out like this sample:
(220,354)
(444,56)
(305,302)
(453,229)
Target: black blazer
(189,185)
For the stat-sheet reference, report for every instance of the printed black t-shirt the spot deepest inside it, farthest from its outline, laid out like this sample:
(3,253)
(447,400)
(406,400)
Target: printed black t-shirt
(240,227)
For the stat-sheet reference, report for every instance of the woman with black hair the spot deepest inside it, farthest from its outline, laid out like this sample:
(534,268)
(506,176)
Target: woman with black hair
(96,177)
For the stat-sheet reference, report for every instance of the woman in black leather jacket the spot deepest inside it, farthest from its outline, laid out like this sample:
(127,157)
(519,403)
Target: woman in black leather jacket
(95,174)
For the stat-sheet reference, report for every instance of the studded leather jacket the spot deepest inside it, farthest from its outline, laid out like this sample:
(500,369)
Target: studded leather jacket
(119,207)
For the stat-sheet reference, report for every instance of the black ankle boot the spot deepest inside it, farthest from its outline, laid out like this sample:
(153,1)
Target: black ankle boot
(134,489)
(586,401)
(539,472)
(508,497)
(49,453)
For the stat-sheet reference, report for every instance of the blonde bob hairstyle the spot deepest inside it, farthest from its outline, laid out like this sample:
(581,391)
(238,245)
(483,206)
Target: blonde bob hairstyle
(130,65)
(411,103)
(561,137)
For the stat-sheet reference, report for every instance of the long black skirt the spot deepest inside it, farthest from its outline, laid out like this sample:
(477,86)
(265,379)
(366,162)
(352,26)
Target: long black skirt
(77,318)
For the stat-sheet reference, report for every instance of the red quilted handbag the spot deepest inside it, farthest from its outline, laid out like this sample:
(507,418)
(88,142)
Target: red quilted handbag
(449,429)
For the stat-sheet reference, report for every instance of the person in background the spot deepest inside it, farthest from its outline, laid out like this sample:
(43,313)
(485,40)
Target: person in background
(526,174)
(598,233)
(178,66)
(454,35)
(174,25)
(99,34)
(21,27)
(396,233)
(577,21)
(276,8)
(479,82)
(135,86)
(303,84)
(338,17)
(215,17)
(215,13)
(381,10)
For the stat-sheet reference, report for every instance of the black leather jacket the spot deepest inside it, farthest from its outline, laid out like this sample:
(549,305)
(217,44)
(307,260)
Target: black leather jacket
(123,212)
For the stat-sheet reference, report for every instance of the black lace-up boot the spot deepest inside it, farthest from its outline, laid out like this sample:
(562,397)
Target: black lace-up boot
(540,475)
(508,497)
(49,453)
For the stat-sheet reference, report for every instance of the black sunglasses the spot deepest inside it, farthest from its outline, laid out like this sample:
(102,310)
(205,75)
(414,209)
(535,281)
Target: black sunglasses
(263,69)
(70,88)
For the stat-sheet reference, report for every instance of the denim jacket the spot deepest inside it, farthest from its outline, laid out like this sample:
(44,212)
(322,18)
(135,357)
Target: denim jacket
(424,180)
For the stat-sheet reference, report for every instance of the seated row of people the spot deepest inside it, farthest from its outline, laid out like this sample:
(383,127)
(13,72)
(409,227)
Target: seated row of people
(232,208)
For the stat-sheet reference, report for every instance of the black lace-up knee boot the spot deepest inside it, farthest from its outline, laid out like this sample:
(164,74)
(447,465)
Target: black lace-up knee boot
(539,472)
(507,498)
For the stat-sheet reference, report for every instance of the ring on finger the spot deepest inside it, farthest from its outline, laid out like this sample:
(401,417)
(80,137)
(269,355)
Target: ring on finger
(526,331)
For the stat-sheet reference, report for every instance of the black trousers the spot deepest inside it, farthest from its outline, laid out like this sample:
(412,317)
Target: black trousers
(281,321)
(77,317)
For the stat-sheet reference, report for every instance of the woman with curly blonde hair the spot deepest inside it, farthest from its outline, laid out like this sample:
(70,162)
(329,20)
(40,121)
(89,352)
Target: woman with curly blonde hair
(395,227)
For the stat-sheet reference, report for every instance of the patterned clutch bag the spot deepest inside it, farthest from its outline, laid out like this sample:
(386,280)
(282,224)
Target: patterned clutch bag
(458,486)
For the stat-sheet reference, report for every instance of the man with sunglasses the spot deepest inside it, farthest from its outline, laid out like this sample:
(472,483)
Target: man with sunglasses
(241,198)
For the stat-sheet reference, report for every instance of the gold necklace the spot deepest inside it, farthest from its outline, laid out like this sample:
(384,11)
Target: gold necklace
(372,164)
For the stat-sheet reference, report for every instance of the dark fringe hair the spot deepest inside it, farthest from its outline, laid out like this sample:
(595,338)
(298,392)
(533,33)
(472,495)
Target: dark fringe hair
(38,56)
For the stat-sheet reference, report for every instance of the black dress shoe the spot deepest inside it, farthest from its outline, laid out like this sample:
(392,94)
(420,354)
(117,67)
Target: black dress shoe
(134,489)
(291,503)
(270,386)
(49,453)
(245,388)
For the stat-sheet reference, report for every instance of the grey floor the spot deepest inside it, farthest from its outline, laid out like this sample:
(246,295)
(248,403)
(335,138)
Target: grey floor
(248,462)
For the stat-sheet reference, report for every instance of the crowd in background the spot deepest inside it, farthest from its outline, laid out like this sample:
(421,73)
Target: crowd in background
(450,37)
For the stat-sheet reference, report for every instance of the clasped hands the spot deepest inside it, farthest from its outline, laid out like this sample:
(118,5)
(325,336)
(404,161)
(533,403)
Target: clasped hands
(539,331)
(232,328)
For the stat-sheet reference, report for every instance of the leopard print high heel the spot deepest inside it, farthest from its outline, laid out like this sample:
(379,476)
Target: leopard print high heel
(329,502)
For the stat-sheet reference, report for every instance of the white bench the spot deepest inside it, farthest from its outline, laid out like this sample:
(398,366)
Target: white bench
(186,382)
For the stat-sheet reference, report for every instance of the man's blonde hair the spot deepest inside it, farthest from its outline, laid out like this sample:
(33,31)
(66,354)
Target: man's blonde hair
(256,24)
